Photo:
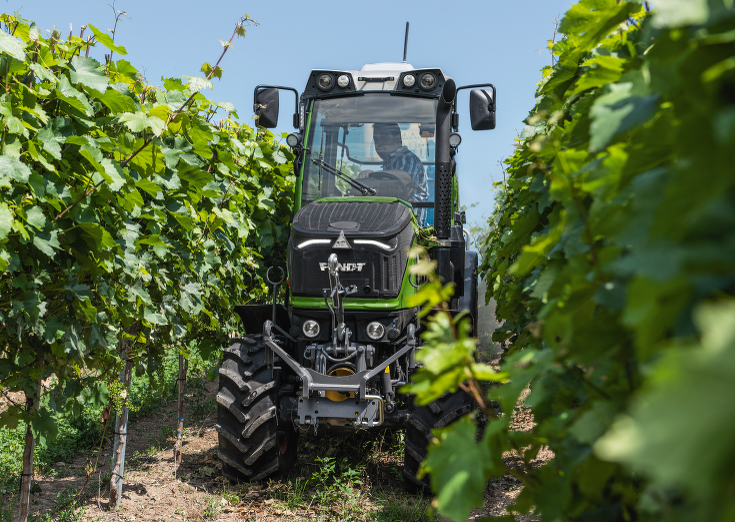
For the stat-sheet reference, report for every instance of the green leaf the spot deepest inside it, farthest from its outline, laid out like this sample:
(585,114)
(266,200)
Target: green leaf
(459,469)
(139,121)
(116,101)
(100,237)
(6,221)
(43,73)
(602,71)
(107,41)
(12,46)
(675,13)
(153,240)
(86,71)
(67,93)
(155,318)
(148,186)
(692,379)
(197,84)
(51,140)
(47,242)
(14,169)
(195,178)
(618,111)
(36,218)
(126,73)
(44,427)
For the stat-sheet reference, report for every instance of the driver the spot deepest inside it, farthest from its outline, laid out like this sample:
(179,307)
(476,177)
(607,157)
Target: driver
(390,148)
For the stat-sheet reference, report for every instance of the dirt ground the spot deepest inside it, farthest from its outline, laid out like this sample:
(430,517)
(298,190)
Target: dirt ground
(155,491)
(366,486)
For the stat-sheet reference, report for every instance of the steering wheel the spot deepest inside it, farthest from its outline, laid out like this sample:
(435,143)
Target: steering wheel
(380,174)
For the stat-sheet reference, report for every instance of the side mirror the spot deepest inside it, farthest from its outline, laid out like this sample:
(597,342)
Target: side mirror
(266,107)
(482,109)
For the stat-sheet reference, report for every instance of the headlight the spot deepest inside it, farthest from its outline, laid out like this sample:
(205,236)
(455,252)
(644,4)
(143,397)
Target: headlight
(454,140)
(293,139)
(409,80)
(427,81)
(375,331)
(310,328)
(325,82)
(343,81)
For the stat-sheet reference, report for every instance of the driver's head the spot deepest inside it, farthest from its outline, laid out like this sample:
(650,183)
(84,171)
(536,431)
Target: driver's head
(387,137)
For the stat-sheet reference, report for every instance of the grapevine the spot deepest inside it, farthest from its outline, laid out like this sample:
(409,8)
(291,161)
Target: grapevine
(611,261)
(126,217)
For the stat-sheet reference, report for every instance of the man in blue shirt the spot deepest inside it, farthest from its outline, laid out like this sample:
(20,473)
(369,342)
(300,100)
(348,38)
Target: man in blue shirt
(390,148)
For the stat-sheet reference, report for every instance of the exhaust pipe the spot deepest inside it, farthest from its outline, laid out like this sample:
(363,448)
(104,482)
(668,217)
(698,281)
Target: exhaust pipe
(442,158)
(443,171)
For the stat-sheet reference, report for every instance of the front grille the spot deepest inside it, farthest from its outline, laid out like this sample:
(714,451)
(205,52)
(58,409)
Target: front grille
(376,272)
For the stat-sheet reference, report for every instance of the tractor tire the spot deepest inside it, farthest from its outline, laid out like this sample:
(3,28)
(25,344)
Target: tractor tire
(252,445)
(421,420)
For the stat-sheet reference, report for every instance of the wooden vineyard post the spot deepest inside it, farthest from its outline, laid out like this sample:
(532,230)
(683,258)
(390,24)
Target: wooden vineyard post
(120,438)
(32,403)
(183,369)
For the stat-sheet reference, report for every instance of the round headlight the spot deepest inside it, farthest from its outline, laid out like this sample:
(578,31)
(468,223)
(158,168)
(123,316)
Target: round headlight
(427,81)
(409,80)
(325,82)
(293,139)
(375,331)
(343,81)
(454,140)
(310,328)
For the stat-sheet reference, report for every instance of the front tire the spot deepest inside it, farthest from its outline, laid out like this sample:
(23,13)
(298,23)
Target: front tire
(252,445)
(421,420)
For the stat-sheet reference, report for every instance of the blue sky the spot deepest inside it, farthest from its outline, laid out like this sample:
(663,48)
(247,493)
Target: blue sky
(495,41)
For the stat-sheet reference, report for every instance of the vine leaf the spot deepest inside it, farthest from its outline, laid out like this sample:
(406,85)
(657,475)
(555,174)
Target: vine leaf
(459,477)
(106,40)
(12,46)
(87,71)
(196,83)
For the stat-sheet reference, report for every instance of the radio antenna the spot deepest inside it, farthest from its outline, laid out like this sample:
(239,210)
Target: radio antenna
(405,44)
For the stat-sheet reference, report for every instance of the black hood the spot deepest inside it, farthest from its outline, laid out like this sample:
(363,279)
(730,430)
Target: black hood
(373,253)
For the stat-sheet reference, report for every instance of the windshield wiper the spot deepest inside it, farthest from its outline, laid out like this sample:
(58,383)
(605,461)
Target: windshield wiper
(336,172)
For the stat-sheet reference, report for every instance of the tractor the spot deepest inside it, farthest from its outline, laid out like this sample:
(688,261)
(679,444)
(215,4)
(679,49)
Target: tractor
(375,170)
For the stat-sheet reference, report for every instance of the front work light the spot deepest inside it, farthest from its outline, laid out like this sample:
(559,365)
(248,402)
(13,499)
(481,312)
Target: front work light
(310,328)
(427,81)
(375,330)
(343,81)
(294,139)
(409,80)
(325,82)
(454,140)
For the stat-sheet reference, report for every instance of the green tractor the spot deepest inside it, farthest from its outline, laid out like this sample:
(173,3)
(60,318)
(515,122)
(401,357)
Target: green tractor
(375,168)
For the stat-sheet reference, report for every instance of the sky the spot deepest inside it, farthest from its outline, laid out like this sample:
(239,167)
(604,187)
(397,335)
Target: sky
(493,41)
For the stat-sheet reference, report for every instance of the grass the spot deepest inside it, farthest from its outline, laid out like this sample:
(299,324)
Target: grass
(349,478)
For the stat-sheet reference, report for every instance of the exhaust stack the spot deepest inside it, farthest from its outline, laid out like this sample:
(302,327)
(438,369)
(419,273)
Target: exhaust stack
(443,169)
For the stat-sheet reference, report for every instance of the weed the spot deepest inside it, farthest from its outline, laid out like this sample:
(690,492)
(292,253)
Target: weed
(167,432)
(70,512)
(231,497)
(402,508)
(7,512)
(212,507)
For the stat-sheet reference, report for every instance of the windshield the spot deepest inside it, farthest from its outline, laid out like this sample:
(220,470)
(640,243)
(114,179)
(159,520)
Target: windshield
(378,144)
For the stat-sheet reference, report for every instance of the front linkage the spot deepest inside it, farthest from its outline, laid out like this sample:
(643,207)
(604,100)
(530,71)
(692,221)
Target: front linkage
(364,409)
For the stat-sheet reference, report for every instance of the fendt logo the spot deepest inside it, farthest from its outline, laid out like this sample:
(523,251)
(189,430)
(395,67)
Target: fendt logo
(344,267)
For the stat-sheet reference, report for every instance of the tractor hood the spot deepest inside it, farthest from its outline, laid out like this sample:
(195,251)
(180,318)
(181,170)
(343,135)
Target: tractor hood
(371,237)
